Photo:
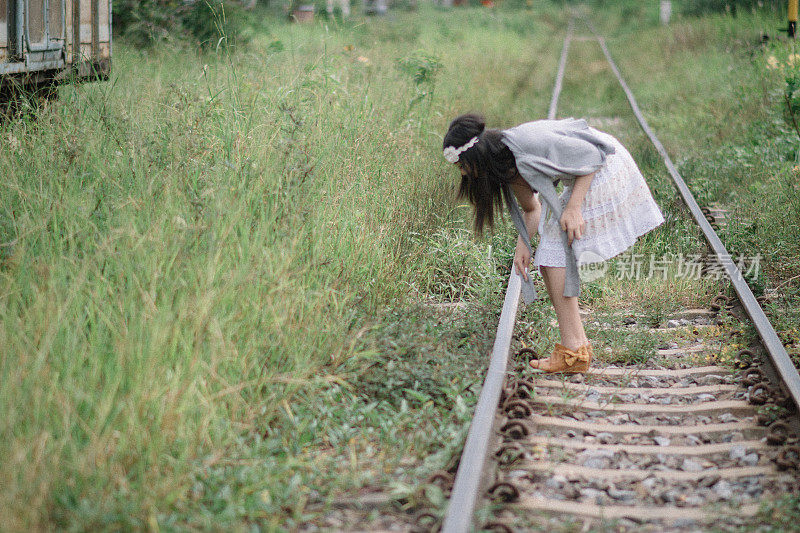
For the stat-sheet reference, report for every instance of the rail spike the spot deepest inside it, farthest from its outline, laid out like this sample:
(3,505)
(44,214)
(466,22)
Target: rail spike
(760,393)
(426,522)
(778,433)
(788,458)
(509,453)
(503,491)
(523,351)
(515,429)
(752,376)
(443,480)
(500,527)
(516,408)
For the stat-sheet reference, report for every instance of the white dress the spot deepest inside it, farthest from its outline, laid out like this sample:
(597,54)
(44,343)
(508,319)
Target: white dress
(618,208)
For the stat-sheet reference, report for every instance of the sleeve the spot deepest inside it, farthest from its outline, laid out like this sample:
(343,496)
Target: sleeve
(576,153)
(545,151)
(559,148)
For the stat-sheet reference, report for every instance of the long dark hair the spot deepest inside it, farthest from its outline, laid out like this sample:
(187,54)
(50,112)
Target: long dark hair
(489,167)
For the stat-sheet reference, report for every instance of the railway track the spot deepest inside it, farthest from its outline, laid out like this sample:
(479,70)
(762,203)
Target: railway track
(677,443)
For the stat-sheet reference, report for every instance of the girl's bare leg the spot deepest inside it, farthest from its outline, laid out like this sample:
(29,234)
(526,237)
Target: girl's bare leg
(569,319)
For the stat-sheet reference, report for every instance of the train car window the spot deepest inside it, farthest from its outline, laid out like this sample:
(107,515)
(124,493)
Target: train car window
(35,21)
(55,28)
(3,29)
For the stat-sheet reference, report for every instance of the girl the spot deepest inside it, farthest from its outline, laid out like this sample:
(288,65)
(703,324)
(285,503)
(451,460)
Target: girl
(604,207)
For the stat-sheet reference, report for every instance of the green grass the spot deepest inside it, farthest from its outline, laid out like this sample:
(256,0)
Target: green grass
(205,261)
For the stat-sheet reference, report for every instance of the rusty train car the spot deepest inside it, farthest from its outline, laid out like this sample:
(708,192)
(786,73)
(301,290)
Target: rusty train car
(44,42)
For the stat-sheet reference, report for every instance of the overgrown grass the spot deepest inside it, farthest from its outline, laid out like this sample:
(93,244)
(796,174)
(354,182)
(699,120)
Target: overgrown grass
(196,261)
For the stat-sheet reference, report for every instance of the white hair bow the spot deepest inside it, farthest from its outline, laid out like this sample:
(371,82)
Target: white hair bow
(451,153)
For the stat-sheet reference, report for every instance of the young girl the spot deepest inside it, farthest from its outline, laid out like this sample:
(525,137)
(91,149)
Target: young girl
(606,204)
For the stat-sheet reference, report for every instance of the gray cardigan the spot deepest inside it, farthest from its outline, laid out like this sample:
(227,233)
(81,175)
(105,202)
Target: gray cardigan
(547,151)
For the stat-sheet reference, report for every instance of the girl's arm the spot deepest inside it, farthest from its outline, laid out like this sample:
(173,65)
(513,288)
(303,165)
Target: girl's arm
(571,219)
(531,211)
(579,190)
(531,207)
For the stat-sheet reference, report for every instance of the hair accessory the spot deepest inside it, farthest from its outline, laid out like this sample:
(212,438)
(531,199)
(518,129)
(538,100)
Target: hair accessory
(451,153)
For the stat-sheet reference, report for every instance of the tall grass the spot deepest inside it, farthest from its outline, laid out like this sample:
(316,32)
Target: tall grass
(191,248)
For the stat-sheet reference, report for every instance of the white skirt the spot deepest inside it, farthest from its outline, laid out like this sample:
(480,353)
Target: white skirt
(618,208)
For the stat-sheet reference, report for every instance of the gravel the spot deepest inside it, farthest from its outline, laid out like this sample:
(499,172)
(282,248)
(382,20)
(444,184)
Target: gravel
(723,490)
(690,465)
(751,459)
(705,482)
(605,438)
(593,495)
(737,452)
(556,482)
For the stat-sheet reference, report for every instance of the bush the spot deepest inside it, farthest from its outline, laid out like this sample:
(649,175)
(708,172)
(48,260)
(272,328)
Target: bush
(203,22)
(146,22)
(421,66)
(702,7)
(213,22)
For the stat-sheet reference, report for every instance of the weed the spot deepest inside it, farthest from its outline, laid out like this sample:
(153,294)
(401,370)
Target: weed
(209,267)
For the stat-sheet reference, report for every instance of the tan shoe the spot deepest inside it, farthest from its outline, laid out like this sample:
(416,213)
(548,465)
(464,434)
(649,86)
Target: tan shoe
(565,360)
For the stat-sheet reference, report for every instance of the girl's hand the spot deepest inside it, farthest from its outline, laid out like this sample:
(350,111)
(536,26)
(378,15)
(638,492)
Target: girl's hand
(522,258)
(572,222)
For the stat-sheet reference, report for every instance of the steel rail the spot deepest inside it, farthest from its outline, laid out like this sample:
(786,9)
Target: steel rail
(464,494)
(562,67)
(775,349)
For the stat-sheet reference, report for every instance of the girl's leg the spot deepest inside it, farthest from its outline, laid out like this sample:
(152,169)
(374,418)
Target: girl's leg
(569,319)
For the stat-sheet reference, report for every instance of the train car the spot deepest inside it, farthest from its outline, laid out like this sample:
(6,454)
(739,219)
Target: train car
(44,42)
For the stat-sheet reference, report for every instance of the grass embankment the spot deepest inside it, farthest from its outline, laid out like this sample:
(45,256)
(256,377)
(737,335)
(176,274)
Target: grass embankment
(197,261)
